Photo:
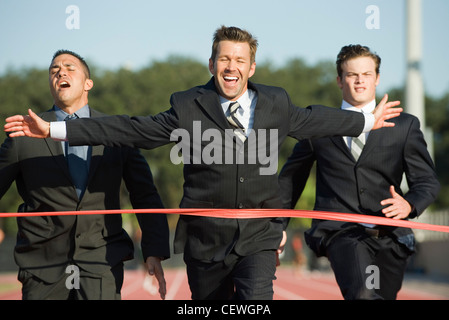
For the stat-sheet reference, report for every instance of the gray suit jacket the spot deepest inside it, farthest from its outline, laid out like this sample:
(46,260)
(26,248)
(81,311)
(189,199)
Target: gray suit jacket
(47,244)
(220,185)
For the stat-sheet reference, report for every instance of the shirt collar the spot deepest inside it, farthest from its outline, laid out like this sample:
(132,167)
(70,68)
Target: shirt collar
(368,108)
(244,101)
(84,112)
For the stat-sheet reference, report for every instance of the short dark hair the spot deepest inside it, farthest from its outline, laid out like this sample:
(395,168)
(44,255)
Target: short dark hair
(237,35)
(76,55)
(355,51)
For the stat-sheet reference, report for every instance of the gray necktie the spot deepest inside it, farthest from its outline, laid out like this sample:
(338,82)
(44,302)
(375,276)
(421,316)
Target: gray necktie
(77,163)
(239,131)
(357,145)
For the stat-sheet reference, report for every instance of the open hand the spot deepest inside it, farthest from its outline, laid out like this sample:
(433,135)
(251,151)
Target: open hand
(398,208)
(30,125)
(385,111)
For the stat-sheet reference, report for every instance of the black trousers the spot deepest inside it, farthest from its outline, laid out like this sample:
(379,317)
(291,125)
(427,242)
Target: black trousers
(367,266)
(237,277)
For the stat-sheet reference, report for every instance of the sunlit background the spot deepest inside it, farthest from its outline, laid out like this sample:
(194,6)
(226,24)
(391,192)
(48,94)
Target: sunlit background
(141,51)
(133,33)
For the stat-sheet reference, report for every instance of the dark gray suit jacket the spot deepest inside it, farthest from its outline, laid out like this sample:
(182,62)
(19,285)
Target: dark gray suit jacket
(344,185)
(47,244)
(220,185)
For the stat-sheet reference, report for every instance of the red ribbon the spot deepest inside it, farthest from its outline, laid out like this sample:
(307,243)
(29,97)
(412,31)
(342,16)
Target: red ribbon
(252,214)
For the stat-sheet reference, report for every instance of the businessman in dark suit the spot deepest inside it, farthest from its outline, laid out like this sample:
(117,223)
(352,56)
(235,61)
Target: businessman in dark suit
(50,249)
(365,178)
(225,258)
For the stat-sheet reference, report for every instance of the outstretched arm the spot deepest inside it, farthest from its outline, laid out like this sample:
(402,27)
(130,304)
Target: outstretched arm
(30,125)
(146,132)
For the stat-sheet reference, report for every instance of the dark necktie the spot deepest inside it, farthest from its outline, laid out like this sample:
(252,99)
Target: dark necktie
(77,164)
(239,131)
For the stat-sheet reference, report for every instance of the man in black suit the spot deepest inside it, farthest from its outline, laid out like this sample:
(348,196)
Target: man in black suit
(223,148)
(57,253)
(363,175)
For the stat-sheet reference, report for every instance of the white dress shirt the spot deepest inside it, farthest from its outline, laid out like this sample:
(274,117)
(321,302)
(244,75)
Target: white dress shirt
(366,110)
(245,114)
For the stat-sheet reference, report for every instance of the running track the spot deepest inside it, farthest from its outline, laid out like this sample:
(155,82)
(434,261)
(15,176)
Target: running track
(288,286)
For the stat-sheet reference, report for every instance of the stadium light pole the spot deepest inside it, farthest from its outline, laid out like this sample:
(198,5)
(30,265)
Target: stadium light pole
(414,91)
(414,97)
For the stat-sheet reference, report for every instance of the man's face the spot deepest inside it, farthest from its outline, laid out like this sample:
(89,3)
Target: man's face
(232,68)
(69,84)
(358,81)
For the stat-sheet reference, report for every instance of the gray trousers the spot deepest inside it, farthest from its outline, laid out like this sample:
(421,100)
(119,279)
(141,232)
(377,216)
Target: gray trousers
(105,286)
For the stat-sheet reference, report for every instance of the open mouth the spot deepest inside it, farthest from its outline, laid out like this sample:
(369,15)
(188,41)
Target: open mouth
(230,80)
(64,84)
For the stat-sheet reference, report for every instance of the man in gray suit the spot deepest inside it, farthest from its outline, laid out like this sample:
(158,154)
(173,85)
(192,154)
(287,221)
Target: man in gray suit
(363,175)
(78,256)
(223,144)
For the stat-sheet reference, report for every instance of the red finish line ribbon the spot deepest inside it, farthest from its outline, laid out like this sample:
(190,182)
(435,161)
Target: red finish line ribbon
(252,214)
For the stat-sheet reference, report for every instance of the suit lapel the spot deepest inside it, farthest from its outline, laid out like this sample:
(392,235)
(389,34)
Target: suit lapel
(210,103)
(97,153)
(340,144)
(55,147)
(262,112)
(372,141)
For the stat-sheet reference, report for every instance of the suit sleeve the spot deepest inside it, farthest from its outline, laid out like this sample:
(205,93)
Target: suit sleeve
(143,194)
(319,121)
(419,170)
(9,165)
(121,130)
(295,173)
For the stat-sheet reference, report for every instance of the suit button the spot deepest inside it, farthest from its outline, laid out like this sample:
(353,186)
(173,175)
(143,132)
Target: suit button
(362,190)
(241,179)
(78,236)
(241,206)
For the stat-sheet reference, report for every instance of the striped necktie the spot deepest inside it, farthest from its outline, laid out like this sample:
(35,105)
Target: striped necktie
(239,128)
(357,145)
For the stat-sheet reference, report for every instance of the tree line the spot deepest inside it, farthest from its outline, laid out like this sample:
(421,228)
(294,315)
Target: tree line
(147,91)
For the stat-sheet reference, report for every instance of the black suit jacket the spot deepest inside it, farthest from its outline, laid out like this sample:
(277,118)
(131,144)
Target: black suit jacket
(220,185)
(47,244)
(344,185)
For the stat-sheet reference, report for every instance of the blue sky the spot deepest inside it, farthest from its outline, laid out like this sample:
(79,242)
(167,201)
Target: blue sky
(134,33)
